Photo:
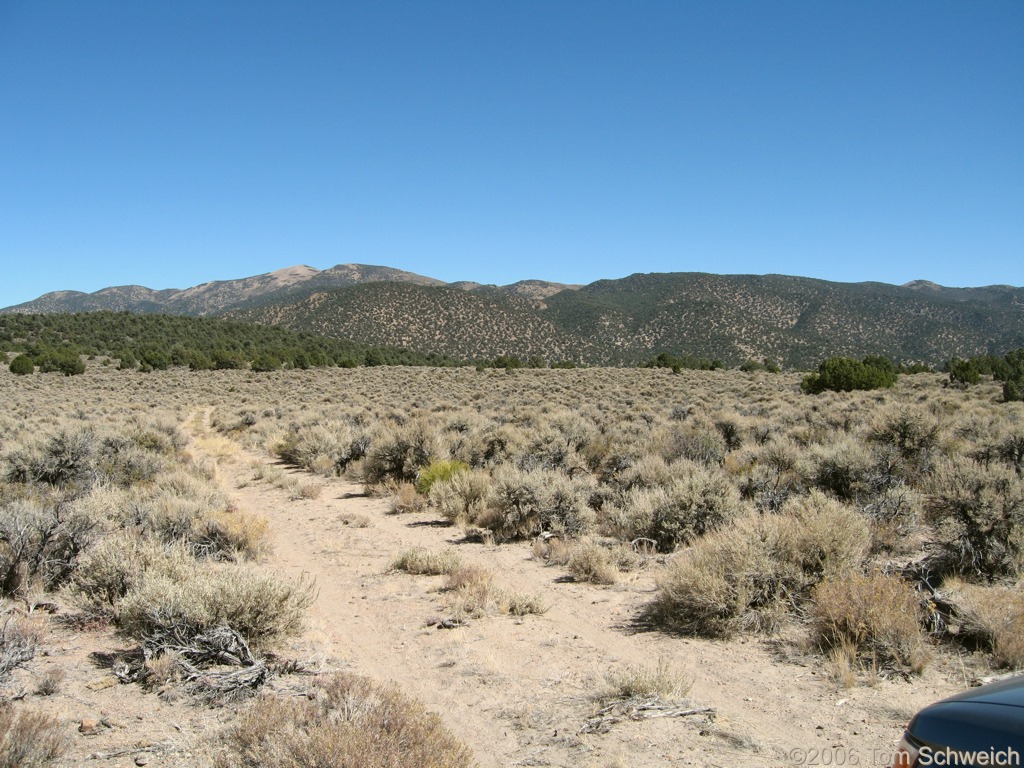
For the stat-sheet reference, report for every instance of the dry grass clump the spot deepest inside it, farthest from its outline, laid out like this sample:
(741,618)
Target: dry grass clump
(305,490)
(406,499)
(661,681)
(349,722)
(30,738)
(553,550)
(993,615)
(875,614)
(473,593)
(420,561)
(589,561)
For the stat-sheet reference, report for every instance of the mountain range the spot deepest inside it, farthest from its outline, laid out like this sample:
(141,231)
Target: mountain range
(793,320)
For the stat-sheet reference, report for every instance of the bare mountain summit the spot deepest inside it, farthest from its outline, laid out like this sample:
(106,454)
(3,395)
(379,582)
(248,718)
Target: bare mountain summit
(220,295)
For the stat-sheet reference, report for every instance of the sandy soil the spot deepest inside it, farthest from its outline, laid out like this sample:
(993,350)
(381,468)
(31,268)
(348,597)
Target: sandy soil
(517,690)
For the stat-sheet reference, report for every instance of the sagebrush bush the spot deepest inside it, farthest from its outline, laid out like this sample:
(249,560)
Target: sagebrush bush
(730,580)
(978,516)
(400,452)
(525,503)
(40,540)
(463,497)
(696,440)
(117,564)
(895,519)
(263,608)
(843,468)
(821,536)
(995,616)
(698,500)
(876,614)
(324,448)
(19,638)
(350,722)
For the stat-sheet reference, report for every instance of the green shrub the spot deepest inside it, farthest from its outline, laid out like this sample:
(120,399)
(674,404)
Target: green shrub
(844,374)
(63,361)
(963,373)
(438,470)
(22,365)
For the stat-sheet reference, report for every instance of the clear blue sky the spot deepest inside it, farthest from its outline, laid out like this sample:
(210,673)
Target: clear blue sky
(169,142)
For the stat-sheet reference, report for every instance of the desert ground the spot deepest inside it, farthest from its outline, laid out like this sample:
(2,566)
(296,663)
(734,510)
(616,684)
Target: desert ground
(539,686)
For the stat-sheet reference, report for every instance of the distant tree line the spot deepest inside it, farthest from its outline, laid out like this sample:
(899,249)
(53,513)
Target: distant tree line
(57,342)
(1008,369)
(681,362)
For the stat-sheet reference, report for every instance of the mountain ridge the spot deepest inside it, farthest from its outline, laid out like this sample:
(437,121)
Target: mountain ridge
(793,320)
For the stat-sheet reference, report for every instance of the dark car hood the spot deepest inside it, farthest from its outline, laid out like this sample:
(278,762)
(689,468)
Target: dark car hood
(986,718)
(1009,692)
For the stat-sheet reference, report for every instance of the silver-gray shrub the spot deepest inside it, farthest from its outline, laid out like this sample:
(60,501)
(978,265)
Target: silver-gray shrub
(399,452)
(463,497)
(698,500)
(529,502)
(40,539)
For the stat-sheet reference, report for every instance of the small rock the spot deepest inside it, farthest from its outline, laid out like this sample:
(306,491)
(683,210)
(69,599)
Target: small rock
(142,759)
(108,681)
(89,725)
